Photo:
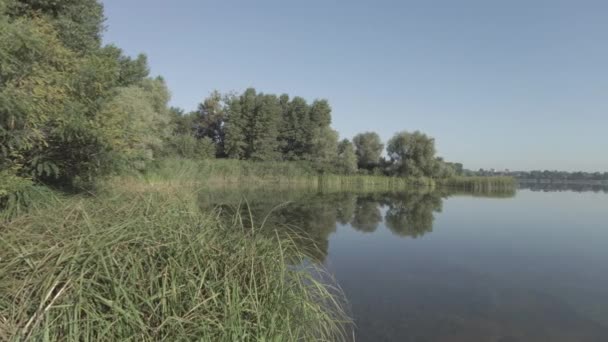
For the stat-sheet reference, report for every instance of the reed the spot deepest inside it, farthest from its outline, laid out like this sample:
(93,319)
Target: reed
(226,173)
(480,184)
(144,263)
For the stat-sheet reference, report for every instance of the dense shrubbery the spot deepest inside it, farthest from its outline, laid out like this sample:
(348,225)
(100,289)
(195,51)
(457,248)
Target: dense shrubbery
(70,109)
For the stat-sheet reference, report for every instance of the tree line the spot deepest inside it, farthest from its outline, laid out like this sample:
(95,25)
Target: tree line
(268,127)
(72,109)
(545,175)
(561,175)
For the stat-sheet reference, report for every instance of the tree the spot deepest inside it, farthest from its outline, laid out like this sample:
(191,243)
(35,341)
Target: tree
(263,128)
(457,167)
(211,115)
(294,128)
(79,23)
(234,129)
(412,154)
(442,169)
(346,161)
(182,123)
(135,123)
(129,71)
(252,126)
(188,146)
(324,149)
(369,148)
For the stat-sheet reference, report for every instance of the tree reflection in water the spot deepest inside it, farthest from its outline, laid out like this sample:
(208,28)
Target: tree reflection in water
(312,217)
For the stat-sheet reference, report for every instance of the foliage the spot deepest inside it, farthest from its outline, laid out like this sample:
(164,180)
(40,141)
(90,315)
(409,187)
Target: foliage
(554,175)
(369,149)
(209,120)
(78,22)
(346,160)
(70,110)
(188,146)
(412,154)
(134,123)
(442,169)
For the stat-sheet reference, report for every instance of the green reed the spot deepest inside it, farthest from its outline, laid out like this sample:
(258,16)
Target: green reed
(144,263)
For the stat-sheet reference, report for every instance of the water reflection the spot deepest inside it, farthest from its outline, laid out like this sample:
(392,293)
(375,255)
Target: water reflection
(486,270)
(315,215)
(366,215)
(413,214)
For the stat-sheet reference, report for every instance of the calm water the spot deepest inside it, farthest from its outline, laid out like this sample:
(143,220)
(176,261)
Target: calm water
(431,267)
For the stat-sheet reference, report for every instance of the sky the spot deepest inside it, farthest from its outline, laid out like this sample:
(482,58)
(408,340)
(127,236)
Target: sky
(519,84)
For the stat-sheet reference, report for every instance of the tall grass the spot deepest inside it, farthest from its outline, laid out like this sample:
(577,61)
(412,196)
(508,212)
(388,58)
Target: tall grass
(143,263)
(19,195)
(480,184)
(225,173)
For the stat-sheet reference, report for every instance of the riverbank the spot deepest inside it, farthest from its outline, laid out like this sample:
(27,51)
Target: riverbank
(150,265)
(19,196)
(138,257)
(216,173)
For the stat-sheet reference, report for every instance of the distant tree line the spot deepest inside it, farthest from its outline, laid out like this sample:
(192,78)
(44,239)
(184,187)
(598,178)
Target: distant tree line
(257,126)
(560,175)
(545,175)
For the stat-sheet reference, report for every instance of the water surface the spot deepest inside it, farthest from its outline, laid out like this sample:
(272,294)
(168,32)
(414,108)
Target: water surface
(530,266)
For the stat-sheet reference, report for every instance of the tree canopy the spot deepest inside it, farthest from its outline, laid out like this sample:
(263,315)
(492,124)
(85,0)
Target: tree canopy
(412,154)
(369,149)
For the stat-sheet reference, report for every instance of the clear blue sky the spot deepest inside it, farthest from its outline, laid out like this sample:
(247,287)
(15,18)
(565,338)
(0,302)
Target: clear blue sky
(519,84)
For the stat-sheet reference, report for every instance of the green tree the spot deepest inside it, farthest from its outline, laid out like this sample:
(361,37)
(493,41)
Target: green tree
(211,115)
(323,151)
(79,23)
(412,154)
(263,128)
(37,113)
(294,113)
(181,122)
(251,126)
(369,148)
(130,71)
(234,129)
(346,161)
(135,123)
(442,169)
(188,146)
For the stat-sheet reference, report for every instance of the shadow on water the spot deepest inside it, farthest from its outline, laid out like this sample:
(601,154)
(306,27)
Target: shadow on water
(407,291)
